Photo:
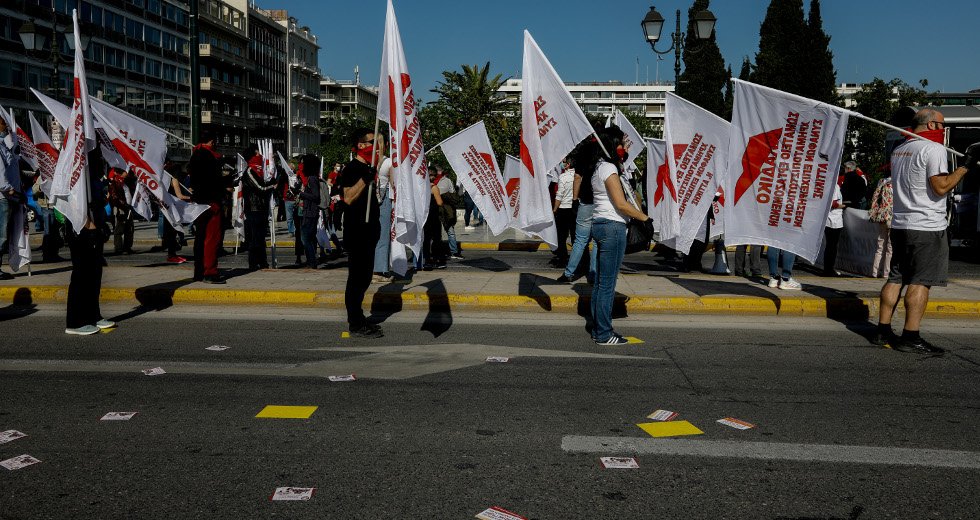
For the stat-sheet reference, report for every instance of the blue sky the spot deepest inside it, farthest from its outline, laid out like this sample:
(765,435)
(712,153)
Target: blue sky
(601,41)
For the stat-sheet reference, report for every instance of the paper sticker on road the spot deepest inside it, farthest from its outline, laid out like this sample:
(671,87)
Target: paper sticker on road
(663,415)
(118,416)
(633,341)
(342,379)
(286,412)
(293,493)
(735,423)
(10,436)
(217,348)
(154,371)
(499,513)
(19,462)
(619,463)
(495,359)
(670,429)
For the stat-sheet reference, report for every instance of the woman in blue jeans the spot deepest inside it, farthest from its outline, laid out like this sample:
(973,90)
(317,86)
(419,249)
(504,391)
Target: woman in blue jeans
(781,269)
(582,194)
(612,207)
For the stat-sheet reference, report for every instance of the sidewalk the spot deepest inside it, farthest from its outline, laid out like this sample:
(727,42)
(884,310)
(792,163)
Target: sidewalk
(161,286)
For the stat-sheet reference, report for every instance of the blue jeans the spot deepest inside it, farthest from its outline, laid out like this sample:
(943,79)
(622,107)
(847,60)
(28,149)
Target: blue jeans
(5,208)
(787,264)
(583,233)
(383,249)
(290,223)
(453,243)
(610,237)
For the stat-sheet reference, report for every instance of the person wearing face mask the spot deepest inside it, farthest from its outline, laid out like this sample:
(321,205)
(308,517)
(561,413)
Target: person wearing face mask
(920,258)
(614,205)
(362,228)
(10,187)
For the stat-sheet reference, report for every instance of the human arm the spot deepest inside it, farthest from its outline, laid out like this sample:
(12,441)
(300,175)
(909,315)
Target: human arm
(945,182)
(618,199)
(437,195)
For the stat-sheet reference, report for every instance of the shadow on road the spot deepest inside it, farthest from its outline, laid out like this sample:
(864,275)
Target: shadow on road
(529,285)
(440,317)
(21,306)
(387,301)
(487,264)
(160,296)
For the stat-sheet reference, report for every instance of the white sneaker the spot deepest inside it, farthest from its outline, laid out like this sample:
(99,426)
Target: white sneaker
(469,228)
(105,324)
(84,330)
(790,285)
(773,283)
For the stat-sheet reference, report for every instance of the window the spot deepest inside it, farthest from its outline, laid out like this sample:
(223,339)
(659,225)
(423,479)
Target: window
(134,29)
(152,36)
(153,6)
(115,57)
(134,98)
(138,3)
(154,68)
(134,63)
(170,72)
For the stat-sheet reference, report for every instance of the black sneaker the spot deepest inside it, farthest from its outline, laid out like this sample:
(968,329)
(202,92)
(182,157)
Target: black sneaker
(916,346)
(615,339)
(213,280)
(884,339)
(367,331)
(564,279)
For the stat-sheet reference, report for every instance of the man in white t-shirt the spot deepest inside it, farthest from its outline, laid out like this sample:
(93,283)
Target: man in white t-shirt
(564,214)
(831,233)
(920,182)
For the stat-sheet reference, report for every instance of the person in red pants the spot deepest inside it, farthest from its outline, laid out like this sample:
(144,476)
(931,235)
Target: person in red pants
(208,186)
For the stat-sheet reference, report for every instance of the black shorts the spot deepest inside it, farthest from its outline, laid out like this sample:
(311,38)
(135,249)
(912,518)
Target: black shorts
(919,257)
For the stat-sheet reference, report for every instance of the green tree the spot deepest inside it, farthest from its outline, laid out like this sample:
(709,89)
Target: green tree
(745,73)
(335,145)
(821,77)
(781,61)
(465,97)
(878,100)
(729,96)
(704,78)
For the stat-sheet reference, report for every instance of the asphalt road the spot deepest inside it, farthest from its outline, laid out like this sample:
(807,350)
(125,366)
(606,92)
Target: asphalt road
(431,430)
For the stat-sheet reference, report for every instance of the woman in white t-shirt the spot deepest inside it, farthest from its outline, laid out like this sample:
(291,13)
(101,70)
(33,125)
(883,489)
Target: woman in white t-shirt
(609,218)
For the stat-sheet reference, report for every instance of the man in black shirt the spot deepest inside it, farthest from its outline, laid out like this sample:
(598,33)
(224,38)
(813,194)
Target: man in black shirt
(362,228)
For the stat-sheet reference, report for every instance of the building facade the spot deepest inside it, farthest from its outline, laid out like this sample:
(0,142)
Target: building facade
(345,98)
(602,98)
(137,58)
(303,85)
(225,69)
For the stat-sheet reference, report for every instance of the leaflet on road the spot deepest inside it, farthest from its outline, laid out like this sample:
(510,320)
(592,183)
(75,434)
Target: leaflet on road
(619,463)
(18,462)
(10,436)
(293,493)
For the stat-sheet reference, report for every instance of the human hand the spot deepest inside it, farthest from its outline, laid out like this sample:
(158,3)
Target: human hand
(972,156)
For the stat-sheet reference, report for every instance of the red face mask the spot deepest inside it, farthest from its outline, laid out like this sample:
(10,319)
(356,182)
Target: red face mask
(366,154)
(937,136)
(622,153)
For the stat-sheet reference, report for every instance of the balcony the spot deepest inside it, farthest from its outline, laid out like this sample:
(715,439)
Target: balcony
(206,50)
(306,67)
(302,94)
(218,118)
(214,85)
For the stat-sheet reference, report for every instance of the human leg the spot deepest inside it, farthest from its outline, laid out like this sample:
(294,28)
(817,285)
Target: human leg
(291,219)
(610,239)
(831,241)
(86,279)
(583,227)
(382,251)
(212,240)
(308,235)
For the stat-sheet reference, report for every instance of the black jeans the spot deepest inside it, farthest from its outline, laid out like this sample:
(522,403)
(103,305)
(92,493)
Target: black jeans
(86,278)
(308,236)
(360,244)
(831,239)
(565,222)
(433,250)
(256,230)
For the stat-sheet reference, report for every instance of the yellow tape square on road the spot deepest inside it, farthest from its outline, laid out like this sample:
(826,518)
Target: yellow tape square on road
(286,412)
(670,429)
(633,341)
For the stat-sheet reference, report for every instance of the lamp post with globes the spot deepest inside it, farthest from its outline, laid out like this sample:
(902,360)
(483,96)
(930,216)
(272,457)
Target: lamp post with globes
(653,24)
(35,39)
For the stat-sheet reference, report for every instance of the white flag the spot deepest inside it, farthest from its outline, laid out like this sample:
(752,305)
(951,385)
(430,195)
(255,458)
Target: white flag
(470,155)
(633,142)
(785,154)
(143,148)
(697,170)
(28,152)
(660,192)
(512,184)
(70,187)
(552,124)
(397,106)
(19,240)
(238,203)
(46,155)
(290,174)
(62,114)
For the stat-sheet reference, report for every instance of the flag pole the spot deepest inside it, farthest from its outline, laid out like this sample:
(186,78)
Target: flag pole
(374,157)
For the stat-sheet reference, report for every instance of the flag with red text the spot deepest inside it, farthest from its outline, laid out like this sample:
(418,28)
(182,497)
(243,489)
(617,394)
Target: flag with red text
(785,154)
(512,184)
(45,154)
(660,192)
(398,107)
(698,142)
(70,187)
(552,124)
(470,155)
(28,152)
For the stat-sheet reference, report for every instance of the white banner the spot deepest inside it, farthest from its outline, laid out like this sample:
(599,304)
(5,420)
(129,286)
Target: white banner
(70,187)
(397,106)
(660,192)
(46,155)
(62,114)
(552,124)
(19,241)
(27,150)
(699,141)
(470,155)
(512,185)
(785,154)
(634,141)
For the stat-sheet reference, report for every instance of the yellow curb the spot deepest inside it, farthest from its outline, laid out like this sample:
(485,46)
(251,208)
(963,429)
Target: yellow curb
(856,308)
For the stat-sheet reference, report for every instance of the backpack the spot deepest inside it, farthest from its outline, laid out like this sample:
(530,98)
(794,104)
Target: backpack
(324,194)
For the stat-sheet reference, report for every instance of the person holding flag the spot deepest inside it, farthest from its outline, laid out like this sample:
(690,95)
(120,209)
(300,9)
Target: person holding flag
(209,187)
(10,188)
(257,188)
(362,229)
(614,205)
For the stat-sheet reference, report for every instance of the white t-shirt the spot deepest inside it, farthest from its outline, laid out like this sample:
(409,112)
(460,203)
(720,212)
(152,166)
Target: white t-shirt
(916,205)
(835,219)
(603,206)
(565,184)
(384,178)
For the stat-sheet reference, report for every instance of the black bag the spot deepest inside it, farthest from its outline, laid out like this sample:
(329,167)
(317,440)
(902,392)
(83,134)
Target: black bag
(637,237)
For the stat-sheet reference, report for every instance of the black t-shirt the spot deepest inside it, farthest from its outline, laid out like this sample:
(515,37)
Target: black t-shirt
(354,212)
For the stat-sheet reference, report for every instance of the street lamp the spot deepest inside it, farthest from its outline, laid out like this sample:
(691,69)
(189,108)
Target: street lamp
(653,25)
(34,40)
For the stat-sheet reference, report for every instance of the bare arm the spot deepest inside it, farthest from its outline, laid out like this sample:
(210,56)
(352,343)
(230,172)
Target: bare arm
(437,195)
(945,182)
(575,186)
(618,199)
(354,192)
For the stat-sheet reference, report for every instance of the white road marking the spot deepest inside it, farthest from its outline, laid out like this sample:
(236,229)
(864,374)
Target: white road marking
(879,455)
